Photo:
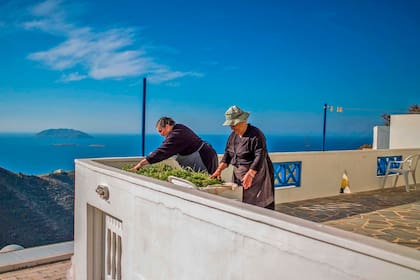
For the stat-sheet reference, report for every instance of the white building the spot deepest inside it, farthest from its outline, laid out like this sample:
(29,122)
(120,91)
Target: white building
(150,229)
(403,132)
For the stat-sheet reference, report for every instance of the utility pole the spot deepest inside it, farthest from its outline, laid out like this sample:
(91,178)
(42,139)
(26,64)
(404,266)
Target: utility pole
(331,108)
(143,132)
(325,125)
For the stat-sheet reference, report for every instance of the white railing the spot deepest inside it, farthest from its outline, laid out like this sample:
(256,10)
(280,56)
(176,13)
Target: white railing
(113,248)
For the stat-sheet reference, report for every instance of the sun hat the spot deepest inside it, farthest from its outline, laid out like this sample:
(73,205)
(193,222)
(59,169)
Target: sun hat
(235,115)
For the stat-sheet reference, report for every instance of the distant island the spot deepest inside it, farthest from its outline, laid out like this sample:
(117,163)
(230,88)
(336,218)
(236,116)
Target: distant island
(63,133)
(64,144)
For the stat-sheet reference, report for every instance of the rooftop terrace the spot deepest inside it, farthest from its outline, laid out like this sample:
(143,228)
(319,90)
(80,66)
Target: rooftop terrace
(391,215)
(388,214)
(52,271)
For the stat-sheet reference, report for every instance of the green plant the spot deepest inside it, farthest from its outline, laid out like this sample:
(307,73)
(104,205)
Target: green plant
(414,109)
(365,146)
(162,171)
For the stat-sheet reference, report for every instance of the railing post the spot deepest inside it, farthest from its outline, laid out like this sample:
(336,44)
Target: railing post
(113,248)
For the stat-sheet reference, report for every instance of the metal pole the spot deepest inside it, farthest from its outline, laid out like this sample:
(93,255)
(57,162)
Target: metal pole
(143,132)
(325,124)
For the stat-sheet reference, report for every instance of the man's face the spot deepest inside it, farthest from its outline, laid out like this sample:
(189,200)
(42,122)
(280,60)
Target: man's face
(163,131)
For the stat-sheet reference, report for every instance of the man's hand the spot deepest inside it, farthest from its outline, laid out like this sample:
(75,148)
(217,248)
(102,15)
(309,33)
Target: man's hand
(139,165)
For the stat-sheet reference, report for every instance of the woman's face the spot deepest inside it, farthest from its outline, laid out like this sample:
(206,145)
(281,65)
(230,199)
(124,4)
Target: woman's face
(237,128)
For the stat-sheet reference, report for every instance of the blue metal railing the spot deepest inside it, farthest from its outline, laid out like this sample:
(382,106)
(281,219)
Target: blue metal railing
(382,163)
(287,174)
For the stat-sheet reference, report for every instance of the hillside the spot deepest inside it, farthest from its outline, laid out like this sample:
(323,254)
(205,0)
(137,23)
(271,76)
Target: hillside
(63,133)
(36,210)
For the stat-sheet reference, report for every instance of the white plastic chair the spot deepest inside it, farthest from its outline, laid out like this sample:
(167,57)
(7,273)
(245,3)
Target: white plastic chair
(402,167)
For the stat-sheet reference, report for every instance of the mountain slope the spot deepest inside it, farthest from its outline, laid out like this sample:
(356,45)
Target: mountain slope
(36,210)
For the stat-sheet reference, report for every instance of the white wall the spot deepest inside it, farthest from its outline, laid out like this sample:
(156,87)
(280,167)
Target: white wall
(404,131)
(170,232)
(322,172)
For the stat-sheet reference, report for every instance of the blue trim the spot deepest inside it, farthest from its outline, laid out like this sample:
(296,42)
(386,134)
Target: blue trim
(382,163)
(287,174)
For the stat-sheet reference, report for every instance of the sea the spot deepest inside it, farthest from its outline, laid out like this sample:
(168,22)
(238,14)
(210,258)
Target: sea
(28,154)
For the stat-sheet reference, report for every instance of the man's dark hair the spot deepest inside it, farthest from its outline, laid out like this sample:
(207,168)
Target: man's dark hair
(163,121)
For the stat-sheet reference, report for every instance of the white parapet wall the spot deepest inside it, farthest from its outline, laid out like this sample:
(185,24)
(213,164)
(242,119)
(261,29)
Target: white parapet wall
(164,231)
(322,172)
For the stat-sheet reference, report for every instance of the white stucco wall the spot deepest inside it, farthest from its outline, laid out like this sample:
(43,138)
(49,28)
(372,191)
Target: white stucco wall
(170,232)
(322,172)
(404,131)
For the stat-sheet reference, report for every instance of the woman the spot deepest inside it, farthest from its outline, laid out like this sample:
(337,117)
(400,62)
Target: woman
(246,150)
(181,141)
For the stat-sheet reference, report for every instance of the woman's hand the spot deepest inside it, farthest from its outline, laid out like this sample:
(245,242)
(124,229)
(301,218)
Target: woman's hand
(248,178)
(218,173)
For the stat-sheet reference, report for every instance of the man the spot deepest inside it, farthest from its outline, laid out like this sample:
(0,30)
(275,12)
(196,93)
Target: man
(180,141)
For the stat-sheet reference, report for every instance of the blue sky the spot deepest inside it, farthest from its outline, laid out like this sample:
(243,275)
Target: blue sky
(80,64)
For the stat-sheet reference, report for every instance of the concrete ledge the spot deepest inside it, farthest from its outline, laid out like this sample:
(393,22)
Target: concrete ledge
(35,256)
